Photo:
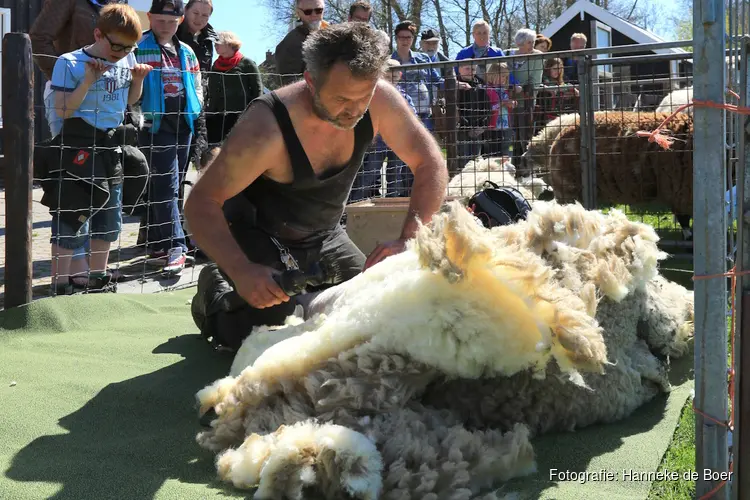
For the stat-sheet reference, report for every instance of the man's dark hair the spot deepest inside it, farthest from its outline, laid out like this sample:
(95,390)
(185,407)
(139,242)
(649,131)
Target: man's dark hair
(361,47)
(360,4)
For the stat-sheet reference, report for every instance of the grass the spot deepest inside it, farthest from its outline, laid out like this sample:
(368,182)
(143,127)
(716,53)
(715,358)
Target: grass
(680,457)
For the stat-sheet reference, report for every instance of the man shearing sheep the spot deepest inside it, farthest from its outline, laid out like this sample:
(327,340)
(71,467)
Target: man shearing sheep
(279,186)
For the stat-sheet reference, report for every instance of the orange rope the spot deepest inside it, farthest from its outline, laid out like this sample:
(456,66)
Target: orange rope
(730,425)
(665,142)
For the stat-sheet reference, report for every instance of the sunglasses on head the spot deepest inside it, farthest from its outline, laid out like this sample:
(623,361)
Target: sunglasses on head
(310,12)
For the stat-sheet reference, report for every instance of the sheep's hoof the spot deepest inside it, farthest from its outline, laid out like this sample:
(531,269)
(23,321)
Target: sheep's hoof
(208,417)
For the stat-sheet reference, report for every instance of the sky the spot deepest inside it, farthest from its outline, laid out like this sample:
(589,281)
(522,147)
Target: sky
(250,22)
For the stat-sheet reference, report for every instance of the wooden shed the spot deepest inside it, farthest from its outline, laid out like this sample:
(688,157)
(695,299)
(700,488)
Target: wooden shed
(652,79)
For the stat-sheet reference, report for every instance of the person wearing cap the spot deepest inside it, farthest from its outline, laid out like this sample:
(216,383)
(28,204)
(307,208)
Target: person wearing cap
(172,101)
(429,43)
(422,84)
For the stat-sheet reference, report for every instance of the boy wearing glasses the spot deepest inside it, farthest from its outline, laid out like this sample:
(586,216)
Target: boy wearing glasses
(83,183)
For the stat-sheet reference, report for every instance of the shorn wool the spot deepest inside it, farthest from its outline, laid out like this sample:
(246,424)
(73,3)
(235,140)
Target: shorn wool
(426,376)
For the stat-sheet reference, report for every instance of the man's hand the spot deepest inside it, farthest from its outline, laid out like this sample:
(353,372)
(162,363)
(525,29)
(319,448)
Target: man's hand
(140,71)
(258,287)
(385,250)
(463,85)
(94,70)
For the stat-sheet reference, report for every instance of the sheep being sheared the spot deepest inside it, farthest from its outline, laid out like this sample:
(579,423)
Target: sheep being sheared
(472,177)
(553,323)
(629,169)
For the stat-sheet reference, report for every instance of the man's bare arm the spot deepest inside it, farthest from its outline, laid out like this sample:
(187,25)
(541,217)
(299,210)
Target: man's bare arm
(405,135)
(245,155)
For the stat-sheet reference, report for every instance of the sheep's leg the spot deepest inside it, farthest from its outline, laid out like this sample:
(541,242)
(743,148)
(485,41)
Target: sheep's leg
(684,222)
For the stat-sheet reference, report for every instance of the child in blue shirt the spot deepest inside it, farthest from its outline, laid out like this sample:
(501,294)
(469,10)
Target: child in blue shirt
(91,88)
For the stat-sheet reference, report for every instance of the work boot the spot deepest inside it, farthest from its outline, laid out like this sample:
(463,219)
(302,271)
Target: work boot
(212,287)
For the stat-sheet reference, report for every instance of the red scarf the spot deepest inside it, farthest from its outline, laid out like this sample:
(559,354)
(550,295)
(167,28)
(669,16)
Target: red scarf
(225,64)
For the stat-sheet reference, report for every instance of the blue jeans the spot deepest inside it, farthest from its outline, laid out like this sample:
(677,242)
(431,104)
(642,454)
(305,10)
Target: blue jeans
(104,225)
(167,154)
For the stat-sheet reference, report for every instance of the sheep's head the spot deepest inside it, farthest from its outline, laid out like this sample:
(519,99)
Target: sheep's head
(532,161)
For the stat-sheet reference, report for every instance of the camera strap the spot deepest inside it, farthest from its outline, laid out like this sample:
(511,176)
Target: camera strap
(285,255)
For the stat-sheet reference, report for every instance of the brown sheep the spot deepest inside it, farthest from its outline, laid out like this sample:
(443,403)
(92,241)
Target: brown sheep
(629,169)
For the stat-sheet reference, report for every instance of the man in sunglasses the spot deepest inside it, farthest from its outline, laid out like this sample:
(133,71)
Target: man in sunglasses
(273,198)
(289,62)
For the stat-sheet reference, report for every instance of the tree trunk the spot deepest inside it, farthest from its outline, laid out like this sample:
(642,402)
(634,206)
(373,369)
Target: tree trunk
(510,35)
(441,27)
(389,22)
(497,23)
(526,13)
(538,22)
(468,23)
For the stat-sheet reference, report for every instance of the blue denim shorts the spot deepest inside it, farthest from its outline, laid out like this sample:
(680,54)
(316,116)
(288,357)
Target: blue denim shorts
(104,225)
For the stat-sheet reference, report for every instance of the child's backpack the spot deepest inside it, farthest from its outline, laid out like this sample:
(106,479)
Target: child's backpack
(498,206)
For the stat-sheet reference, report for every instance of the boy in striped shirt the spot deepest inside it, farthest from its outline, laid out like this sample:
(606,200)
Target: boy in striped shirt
(172,100)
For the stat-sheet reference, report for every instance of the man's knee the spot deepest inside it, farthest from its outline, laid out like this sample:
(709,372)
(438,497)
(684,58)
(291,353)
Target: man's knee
(223,316)
(343,255)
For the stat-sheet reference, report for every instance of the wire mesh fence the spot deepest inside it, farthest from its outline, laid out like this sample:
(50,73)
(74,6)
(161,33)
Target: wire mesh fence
(109,176)
(558,124)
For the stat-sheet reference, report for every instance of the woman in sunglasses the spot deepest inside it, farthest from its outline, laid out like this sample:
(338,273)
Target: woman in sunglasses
(289,63)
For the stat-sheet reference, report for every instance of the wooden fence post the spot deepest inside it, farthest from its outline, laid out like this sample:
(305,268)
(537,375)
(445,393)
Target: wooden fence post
(18,132)
(451,118)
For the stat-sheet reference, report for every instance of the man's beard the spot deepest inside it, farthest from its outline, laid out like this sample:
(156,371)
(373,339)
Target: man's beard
(322,113)
(314,25)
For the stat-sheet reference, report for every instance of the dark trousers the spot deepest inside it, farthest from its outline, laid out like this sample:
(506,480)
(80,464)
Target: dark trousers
(498,142)
(167,155)
(219,126)
(334,248)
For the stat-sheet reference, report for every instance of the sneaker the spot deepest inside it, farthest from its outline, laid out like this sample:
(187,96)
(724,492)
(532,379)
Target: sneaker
(157,258)
(176,259)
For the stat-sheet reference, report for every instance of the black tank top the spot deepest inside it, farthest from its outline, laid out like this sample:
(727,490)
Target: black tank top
(311,206)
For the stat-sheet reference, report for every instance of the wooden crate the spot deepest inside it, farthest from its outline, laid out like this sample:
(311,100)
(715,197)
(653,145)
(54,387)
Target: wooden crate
(377,220)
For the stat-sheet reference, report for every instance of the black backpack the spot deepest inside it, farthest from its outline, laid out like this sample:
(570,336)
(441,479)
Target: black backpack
(498,206)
